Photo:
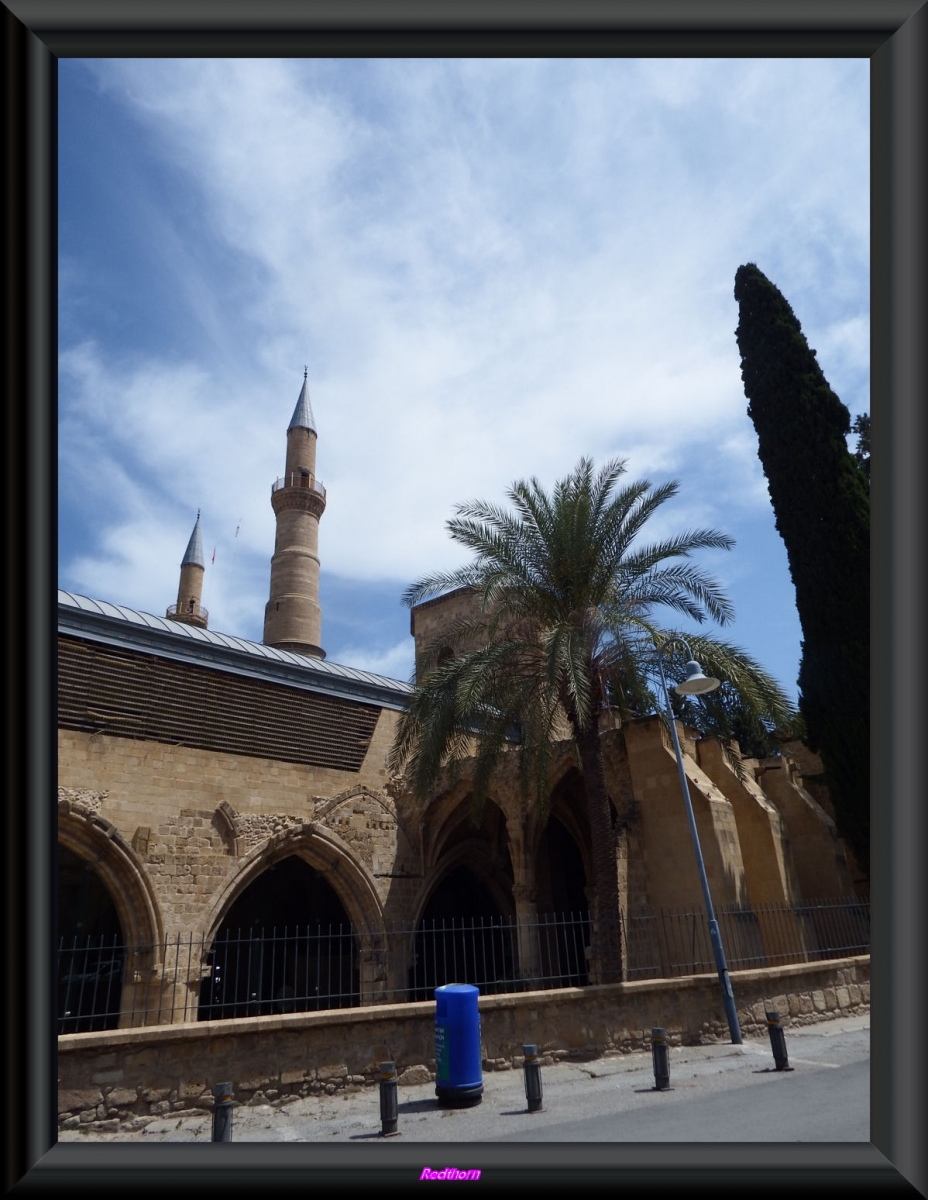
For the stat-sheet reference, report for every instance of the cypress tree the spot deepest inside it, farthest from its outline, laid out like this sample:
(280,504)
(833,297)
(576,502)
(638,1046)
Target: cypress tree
(822,508)
(861,427)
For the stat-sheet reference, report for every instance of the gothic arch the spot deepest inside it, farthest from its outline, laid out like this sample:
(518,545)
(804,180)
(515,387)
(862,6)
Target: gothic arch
(322,850)
(472,855)
(99,843)
(447,814)
(435,822)
(577,825)
(327,806)
(449,850)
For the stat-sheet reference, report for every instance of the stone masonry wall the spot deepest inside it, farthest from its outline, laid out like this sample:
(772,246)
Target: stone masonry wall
(191,815)
(125,1078)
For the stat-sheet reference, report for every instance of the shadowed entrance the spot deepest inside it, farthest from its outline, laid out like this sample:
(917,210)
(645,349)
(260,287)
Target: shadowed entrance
(286,945)
(91,949)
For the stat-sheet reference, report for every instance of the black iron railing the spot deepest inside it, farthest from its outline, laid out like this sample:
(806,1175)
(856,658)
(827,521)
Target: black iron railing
(103,984)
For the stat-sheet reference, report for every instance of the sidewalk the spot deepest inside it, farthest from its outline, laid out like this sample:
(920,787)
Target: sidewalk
(572,1091)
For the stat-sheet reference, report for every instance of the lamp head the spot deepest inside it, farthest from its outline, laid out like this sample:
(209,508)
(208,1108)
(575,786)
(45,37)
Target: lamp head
(695,683)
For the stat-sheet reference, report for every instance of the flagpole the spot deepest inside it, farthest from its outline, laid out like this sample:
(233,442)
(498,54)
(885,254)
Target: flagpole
(234,554)
(209,581)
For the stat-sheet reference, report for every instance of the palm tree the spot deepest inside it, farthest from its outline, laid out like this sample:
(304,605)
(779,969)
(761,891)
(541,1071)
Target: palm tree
(566,629)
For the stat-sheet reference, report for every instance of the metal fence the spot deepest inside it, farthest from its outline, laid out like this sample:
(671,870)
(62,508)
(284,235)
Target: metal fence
(104,984)
(662,943)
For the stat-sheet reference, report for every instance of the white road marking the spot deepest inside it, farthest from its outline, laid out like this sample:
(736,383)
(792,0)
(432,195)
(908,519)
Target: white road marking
(806,1062)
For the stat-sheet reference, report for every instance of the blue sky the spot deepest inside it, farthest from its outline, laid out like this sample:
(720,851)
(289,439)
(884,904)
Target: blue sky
(489,267)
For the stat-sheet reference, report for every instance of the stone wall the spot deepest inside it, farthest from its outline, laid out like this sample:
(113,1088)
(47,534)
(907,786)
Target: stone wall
(122,1079)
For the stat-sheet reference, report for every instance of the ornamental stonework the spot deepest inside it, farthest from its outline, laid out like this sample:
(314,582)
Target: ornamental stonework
(81,800)
(366,822)
(252,829)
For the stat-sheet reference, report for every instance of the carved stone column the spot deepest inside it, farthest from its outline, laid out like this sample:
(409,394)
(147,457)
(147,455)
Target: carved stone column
(527,941)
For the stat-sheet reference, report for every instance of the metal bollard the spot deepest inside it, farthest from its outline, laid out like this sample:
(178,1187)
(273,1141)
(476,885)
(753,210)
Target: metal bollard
(778,1042)
(660,1055)
(389,1106)
(222,1113)
(532,1068)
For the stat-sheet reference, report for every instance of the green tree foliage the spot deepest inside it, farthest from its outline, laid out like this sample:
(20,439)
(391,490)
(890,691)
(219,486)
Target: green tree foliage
(725,715)
(567,627)
(861,427)
(822,507)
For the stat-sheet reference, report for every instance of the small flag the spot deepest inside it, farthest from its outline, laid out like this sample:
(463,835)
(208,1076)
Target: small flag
(237,528)
(214,555)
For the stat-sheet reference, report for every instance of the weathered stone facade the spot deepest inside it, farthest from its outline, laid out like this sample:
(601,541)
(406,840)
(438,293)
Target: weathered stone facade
(177,834)
(195,770)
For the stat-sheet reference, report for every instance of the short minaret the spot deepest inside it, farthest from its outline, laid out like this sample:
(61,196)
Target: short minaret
(293,618)
(192,568)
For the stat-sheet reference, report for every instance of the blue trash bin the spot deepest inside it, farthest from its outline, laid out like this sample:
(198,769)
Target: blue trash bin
(458,1076)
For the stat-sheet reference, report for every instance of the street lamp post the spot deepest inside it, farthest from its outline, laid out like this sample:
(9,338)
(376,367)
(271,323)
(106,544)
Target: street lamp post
(695,684)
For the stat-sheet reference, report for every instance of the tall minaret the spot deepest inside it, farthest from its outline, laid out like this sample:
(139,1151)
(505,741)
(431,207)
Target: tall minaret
(187,609)
(293,618)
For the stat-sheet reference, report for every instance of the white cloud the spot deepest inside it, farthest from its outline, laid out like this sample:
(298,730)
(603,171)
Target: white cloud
(396,662)
(490,267)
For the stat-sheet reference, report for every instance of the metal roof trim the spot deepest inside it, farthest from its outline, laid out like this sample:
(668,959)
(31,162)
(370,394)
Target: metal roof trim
(84,617)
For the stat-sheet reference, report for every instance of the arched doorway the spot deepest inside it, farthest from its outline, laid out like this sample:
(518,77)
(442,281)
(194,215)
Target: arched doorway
(462,937)
(564,916)
(91,949)
(285,945)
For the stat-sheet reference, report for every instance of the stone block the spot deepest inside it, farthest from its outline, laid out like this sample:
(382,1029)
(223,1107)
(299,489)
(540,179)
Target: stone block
(77,1100)
(114,1076)
(818,1001)
(140,1062)
(256,1083)
(414,1075)
(331,1071)
(137,1124)
(844,997)
(121,1097)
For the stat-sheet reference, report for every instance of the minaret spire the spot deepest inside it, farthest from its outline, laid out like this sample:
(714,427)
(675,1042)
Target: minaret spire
(303,413)
(292,617)
(192,568)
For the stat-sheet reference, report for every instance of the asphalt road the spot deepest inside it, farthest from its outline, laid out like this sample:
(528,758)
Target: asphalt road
(718,1093)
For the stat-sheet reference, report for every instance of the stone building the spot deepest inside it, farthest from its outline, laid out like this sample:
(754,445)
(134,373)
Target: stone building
(209,785)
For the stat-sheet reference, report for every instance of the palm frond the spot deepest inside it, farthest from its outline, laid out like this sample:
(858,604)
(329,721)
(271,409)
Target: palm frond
(565,619)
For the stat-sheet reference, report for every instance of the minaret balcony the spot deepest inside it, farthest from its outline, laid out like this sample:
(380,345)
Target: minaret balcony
(296,479)
(297,492)
(188,616)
